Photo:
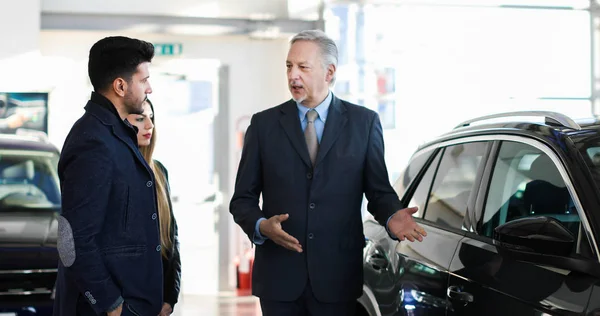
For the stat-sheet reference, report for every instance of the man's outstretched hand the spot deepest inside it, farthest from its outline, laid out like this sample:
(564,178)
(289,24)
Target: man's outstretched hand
(403,226)
(271,228)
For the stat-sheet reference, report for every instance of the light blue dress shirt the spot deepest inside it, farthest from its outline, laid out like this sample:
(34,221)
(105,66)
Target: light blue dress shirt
(323,110)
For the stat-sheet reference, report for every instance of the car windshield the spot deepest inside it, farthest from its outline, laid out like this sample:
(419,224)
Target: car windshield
(28,180)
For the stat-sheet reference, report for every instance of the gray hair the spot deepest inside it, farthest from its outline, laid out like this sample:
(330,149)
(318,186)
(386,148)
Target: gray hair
(329,51)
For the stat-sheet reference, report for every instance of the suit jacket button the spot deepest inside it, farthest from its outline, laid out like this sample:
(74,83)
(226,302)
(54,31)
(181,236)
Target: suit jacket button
(311,236)
(149,183)
(154,216)
(312,206)
(309,176)
(158,248)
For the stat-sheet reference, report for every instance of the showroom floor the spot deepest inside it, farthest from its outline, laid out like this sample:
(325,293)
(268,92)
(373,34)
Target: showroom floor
(226,304)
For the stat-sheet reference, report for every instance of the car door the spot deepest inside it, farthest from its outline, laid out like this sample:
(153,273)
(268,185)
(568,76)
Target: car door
(525,182)
(411,278)
(380,258)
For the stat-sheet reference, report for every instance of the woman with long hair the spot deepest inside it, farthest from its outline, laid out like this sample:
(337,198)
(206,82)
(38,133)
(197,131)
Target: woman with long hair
(146,137)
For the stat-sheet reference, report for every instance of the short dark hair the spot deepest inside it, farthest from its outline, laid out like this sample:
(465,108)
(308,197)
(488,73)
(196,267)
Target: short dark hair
(116,57)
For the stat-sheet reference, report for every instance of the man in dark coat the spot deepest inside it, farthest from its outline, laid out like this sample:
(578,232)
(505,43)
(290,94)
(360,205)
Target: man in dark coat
(109,244)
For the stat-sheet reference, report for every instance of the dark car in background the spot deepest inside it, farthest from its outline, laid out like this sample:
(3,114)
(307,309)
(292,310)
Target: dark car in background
(512,212)
(29,206)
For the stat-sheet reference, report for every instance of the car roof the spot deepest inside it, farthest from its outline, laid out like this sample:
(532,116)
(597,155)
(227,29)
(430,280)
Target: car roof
(21,142)
(577,130)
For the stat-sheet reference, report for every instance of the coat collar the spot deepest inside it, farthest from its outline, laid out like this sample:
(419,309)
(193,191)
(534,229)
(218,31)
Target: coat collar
(101,108)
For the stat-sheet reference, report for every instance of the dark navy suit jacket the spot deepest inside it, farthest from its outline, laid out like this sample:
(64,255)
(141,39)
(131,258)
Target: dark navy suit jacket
(324,204)
(109,221)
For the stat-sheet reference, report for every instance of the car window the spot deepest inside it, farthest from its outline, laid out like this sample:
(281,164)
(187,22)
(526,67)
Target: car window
(526,182)
(28,179)
(414,166)
(590,150)
(453,184)
(419,197)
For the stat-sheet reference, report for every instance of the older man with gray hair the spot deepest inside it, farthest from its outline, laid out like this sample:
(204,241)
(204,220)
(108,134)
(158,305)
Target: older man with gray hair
(312,158)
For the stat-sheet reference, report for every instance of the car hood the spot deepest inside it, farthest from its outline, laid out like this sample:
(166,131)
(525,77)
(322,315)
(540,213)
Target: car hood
(32,228)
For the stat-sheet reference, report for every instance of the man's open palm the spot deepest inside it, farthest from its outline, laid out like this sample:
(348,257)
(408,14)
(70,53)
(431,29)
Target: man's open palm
(272,229)
(403,226)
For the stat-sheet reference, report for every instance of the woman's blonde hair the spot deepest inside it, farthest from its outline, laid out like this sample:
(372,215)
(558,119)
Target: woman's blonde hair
(164,211)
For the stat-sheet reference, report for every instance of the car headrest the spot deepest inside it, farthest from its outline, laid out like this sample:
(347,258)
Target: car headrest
(543,168)
(596,159)
(23,170)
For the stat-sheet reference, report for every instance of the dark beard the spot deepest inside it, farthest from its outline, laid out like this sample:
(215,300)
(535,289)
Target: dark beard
(132,109)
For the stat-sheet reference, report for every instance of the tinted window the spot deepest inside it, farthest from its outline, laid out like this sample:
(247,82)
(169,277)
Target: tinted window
(590,150)
(453,184)
(526,182)
(419,197)
(414,166)
(28,179)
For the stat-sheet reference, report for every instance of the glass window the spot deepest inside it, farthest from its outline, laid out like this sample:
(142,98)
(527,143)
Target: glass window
(406,177)
(28,179)
(453,184)
(419,197)
(506,58)
(590,149)
(578,4)
(526,182)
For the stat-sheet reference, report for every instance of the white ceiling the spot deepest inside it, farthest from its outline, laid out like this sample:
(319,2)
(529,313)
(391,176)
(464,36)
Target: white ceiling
(260,18)
(296,9)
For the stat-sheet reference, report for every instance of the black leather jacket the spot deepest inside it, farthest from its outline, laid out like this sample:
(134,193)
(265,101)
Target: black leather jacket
(172,265)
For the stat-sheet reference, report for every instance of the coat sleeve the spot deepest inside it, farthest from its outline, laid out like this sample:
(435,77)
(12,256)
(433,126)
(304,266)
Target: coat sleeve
(248,184)
(86,188)
(383,200)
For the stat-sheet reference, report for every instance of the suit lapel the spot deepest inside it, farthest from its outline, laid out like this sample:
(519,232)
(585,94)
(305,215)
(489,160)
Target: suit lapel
(336,120)
(110,118)
(131,145)
(290,122)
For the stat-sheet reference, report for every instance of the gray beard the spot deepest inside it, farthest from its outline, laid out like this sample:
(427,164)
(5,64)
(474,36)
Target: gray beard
(300,100)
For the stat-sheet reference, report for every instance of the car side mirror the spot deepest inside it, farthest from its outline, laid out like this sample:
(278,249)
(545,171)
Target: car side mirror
(540,234)
(542,240)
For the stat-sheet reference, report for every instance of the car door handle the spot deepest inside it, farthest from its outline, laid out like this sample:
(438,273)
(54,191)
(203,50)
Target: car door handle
(377,261)
(455,293)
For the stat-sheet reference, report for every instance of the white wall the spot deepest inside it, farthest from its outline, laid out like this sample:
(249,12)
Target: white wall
(20,24)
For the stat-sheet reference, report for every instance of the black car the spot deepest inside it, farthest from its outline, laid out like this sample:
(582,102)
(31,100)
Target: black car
(512,212)
(29,206)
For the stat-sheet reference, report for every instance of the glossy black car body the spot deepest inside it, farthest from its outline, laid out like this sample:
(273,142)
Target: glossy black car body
(512,212)
(29,206)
